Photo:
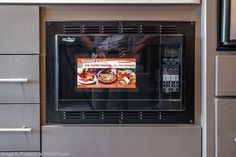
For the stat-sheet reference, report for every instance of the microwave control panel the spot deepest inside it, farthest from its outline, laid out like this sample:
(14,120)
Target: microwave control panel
(171,72)
(170,75)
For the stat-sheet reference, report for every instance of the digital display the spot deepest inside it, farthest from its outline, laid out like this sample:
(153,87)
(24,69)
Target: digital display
(106,72)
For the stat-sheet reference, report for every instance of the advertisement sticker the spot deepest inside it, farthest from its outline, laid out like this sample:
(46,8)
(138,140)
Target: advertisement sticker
(106,72)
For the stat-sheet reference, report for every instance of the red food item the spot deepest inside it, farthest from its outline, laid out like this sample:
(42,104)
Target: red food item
(86,77)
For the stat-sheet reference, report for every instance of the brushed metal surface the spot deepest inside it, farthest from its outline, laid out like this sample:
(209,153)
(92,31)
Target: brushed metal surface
(104,1)
(16,116)
(225,127)
(19,66)
(122,141)
(19,29)
(208,52)
(225,75)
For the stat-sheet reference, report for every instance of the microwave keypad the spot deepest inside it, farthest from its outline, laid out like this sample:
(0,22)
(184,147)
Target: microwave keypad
(170,75)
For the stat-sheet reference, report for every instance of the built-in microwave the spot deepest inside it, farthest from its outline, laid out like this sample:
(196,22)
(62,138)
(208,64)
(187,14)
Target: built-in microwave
(120,72)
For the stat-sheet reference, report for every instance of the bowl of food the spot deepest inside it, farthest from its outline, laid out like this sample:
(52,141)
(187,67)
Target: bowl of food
(86,77)
(107,78)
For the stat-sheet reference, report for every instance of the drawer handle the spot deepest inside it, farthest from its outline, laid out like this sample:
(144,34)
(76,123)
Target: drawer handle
(23,129)
(14,80)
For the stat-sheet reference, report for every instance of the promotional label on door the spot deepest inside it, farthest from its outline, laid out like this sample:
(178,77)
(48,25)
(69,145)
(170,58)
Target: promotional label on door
(106,72)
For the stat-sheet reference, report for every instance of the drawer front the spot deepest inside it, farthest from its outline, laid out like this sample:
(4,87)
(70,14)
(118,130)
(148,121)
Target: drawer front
(225,75)
(19,29)
(13,135)
(122,141)
(226,128)
(19,79)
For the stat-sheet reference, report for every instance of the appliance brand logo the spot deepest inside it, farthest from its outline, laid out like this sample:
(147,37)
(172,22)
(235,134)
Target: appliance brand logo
(68,39)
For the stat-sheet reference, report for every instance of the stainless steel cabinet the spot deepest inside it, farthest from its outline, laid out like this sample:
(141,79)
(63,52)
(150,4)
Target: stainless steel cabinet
(19,29)
(19,79)
(19,127)
(122,141)
(225,75)
(225,127)
(225,107)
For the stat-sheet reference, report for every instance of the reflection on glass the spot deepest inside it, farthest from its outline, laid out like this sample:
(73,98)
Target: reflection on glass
(157,72)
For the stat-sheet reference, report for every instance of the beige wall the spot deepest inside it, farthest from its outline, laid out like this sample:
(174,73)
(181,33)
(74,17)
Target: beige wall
(124,12)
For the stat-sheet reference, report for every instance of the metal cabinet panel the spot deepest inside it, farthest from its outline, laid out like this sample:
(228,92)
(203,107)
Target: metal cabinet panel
(19,29)
(225,127)
(225,75)
(13,137)
(122,141)
(14,72)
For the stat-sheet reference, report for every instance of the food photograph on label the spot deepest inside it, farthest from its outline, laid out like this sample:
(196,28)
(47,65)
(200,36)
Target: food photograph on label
(106,73)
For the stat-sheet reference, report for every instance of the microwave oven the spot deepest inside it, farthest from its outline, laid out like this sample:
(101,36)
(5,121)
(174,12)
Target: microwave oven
(120,72)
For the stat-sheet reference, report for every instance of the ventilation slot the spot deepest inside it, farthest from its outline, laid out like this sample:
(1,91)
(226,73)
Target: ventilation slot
(72,115)
(111,29)
(91,29)
(150,115)
(72,29)
(168,29)
(110,115)
(131,115)
(90,115)
(130,29)
(150,29)
(167,115)
(81,115)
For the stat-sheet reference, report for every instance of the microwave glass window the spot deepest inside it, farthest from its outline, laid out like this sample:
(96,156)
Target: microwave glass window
(120,72)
